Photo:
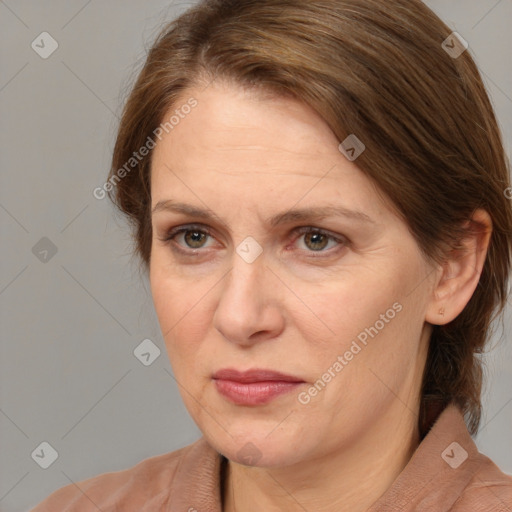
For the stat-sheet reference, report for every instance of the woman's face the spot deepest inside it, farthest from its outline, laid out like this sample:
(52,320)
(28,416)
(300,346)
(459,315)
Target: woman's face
(258,280)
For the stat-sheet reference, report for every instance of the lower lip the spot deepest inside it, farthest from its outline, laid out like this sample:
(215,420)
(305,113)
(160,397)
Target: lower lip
(253,393)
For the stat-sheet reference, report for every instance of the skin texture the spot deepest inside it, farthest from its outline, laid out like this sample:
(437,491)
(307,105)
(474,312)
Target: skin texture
(294,309)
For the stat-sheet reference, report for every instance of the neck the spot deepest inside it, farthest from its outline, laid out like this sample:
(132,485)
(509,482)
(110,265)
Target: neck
(349,479)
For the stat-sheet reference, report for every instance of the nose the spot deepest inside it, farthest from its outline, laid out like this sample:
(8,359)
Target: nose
(249,310)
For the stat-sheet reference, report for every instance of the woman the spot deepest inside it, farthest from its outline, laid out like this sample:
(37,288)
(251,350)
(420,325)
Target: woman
(318,193)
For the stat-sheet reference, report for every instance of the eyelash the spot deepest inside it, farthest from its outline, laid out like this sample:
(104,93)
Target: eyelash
(302,230)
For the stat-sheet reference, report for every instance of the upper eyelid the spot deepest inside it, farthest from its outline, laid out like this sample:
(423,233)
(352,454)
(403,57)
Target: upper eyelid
(209,230)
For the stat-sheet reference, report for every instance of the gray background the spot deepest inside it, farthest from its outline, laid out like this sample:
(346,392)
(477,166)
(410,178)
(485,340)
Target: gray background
(70,324)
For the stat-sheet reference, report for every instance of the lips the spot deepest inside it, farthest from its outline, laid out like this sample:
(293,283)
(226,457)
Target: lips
(255,375)
(253,387)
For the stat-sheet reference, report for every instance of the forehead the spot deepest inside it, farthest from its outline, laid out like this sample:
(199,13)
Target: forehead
(228,119)
(254,149)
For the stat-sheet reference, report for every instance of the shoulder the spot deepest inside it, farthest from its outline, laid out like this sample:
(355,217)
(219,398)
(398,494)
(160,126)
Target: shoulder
(147,484)
(488,490)
(447,473)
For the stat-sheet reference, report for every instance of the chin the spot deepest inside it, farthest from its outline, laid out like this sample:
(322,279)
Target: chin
(258,448)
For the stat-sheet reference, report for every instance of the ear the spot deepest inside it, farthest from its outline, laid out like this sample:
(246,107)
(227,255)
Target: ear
(460,273)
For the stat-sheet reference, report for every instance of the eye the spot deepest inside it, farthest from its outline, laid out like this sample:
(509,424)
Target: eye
(316,240)
(193,237)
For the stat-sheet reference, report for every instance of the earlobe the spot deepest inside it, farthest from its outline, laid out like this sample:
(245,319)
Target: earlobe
(459,275)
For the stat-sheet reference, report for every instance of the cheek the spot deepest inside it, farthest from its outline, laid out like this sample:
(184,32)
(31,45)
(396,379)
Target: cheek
(347,308)
(378,330)
(369,318)
(183,313)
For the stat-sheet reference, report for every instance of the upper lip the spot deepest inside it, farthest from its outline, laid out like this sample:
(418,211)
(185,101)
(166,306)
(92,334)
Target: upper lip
(254,375)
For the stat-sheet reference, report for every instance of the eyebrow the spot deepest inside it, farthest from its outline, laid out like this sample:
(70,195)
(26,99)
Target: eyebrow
(294,215)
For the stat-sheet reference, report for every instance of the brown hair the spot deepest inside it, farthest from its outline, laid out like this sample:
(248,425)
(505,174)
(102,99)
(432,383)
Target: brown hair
(370,68)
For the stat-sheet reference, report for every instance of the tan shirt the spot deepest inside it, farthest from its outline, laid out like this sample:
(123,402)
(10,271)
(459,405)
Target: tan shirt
(445,473)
